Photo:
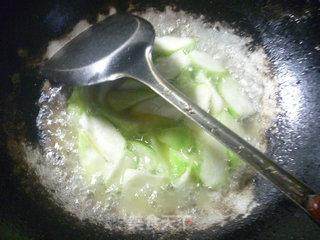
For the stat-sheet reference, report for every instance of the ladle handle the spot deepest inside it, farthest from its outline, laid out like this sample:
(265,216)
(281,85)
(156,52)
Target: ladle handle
(313,207)
(296,190)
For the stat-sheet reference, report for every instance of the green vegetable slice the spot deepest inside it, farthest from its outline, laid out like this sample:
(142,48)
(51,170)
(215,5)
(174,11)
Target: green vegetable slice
(101,147)
(186,81)
(171,66)
(179,163)
(213,169)
(122,99)
(206,95)
(227,119)
(169,44)
(157,106)
(239,104)
(217,103)
(203,61)
(147,159)
(92,162)
(177,138)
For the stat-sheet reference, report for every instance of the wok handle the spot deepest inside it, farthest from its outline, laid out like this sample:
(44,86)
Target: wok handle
(313,207)
(293,188)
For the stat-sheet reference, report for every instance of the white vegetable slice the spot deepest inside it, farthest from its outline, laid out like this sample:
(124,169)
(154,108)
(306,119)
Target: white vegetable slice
(213,169)
(203,93)
(92,162)
(169,44)
(237,100)
(201,77)
(171,66)
(217,104)
(147,158)
(157,106)
(183,181)
(106,142)
(105,136)
(204,61)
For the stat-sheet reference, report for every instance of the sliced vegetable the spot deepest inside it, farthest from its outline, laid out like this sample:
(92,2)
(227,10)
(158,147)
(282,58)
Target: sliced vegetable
(204,61)
(147,159)
(179,163)
(234,124)
(171,66)
(101,148)
(122,99)
(133,178)
(180,148)
(127,126)
(157,106)
(184,180)
(213,168)
(212,165)
(217,104)
(149,122)
(202,77)
(177,138)
(203,96)
(186,81)
(239,104)
(107,139)
(169,44)
(132,123)
(92,162)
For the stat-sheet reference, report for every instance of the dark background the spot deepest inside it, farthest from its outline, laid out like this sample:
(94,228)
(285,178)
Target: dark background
(289,33)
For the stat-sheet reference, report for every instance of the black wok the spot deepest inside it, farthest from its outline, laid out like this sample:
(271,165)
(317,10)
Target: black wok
(287,30)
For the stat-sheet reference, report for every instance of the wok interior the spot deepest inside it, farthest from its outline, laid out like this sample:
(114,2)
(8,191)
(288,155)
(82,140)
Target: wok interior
(294,146)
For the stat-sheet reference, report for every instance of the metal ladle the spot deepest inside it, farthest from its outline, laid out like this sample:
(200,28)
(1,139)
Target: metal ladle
(121,46)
